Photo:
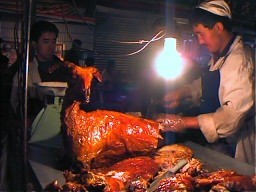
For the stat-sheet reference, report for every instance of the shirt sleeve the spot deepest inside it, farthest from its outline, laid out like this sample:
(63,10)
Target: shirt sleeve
(236,94)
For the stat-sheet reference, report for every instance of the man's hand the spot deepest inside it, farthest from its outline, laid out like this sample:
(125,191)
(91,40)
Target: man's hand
(173,99)
(171,122)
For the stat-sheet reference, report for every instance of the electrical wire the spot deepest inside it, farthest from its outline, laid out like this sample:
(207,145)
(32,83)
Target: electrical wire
(148,42)
(65,22)
(157,37)
(140,41)
(66,27)
(80,16)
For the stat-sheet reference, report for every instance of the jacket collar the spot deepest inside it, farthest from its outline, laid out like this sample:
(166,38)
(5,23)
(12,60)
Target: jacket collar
(225,51)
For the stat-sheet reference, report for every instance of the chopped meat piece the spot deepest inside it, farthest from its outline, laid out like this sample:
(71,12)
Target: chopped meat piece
(229,179)
(227,186)
(132,169)
(139,185)
(194,167)
(176,183)
(134,173)
(169,155)
(130,174)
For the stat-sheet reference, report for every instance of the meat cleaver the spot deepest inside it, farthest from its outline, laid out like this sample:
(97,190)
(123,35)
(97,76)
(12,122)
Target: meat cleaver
(154,185)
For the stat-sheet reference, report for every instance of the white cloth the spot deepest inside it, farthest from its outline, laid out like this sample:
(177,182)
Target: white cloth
(236,94)
(217,7)
(33,79)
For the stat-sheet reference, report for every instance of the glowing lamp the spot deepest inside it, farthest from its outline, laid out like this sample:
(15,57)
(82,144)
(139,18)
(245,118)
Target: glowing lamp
(169,62)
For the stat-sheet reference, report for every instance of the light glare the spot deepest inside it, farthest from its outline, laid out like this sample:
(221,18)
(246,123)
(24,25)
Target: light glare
(169,63)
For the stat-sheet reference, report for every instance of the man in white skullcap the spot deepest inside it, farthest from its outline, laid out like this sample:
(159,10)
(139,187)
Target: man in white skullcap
(225,90)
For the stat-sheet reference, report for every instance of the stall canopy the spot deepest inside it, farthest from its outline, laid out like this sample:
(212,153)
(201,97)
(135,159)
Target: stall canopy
(81,11)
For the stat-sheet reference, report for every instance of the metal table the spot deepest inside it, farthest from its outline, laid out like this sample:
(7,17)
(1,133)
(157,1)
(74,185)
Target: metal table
(215,160)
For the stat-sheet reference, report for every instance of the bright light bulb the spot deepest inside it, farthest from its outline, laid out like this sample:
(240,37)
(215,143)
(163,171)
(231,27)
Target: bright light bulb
(169,62)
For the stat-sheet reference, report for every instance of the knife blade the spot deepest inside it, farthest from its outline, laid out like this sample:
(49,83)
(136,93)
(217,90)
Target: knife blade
(154,185)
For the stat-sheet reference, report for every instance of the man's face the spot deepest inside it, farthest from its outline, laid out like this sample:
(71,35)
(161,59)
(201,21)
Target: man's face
(208,37)
(45,46)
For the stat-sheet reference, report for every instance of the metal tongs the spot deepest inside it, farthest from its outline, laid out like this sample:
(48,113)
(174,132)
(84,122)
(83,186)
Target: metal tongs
(154,185)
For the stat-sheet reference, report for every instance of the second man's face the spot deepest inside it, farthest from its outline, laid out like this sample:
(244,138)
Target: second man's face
(208,37)
(45,46)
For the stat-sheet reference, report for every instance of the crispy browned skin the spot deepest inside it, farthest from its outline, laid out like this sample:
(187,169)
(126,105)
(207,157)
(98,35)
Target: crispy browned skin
(134,168)
(101,138)
(132,174)
(86,74)
(135,172)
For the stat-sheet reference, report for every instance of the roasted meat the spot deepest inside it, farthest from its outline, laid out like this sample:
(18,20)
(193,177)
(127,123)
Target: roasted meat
(176,183)
(113,150)
(217,181)
(86,74)
(81,82)
(169,155)
(135,173)
(193,168)
(101,138)
(128,175)
(231,180)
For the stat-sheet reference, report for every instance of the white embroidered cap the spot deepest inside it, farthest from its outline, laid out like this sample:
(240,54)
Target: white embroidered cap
(217,7)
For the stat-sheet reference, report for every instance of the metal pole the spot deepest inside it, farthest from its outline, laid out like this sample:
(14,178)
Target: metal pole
(27,10)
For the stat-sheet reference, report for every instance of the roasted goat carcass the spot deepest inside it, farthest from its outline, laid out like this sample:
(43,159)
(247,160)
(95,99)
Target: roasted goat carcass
(101,138)
(104,140)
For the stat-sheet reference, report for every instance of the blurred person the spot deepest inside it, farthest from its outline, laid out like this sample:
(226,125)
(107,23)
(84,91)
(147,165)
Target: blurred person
(45,66)
(224,91)
(10,52)
(110,86)
(89,61)
(109,75)
(9,66)
(73,54)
